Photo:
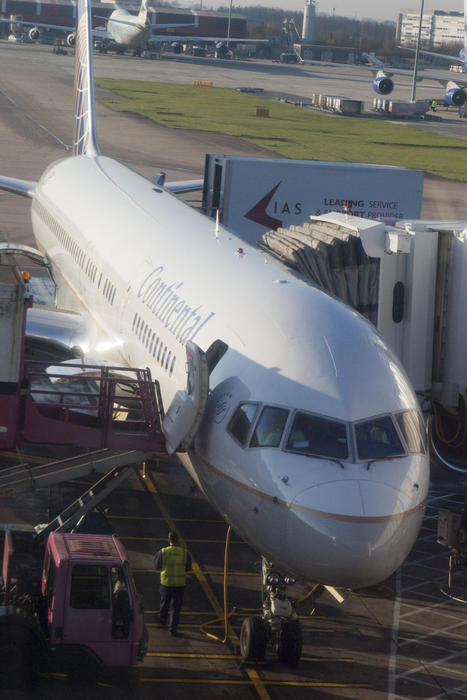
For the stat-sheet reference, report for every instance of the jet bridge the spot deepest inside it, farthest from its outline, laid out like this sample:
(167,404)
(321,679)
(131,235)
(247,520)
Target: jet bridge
(410,280)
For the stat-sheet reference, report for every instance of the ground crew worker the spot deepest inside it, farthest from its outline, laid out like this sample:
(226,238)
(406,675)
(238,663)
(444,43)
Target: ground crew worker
(434,104)
(173,562)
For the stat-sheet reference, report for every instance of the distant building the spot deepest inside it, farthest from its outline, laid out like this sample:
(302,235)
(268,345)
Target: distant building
(63,12)
(438,27)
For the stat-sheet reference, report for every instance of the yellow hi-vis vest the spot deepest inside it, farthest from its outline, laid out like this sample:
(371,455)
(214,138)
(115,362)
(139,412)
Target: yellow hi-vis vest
(173,571)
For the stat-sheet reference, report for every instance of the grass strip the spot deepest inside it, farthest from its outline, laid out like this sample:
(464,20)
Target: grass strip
(289,130)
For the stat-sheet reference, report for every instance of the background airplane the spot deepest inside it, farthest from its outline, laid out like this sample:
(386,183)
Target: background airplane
(455,89)
(123,30)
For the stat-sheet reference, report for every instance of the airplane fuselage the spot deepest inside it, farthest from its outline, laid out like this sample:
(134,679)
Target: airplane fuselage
(127,29)
(153,273)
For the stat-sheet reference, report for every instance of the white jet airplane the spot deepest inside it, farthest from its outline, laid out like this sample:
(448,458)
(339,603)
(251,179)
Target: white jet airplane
(311,444)
(123,30)
(455,90)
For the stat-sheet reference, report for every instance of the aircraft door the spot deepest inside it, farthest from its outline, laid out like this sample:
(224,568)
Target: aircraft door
(186,411)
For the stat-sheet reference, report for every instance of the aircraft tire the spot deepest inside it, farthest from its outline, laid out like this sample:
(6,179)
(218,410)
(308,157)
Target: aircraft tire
(253,638)
(290,643)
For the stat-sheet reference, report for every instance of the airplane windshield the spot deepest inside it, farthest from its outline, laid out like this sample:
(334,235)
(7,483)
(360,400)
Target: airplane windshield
(319,436)
(413,429)
(378,439)
(269,428)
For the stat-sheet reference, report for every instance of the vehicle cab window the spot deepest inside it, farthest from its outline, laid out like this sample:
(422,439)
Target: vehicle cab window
(319,436)
(242,421)
(270,427)
(90,587)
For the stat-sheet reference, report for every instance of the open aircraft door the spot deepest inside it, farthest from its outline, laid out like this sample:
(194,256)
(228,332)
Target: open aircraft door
(186,411)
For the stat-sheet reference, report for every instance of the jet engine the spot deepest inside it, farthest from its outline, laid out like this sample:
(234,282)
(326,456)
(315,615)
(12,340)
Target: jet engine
(34,34)
(455,97)
(71,38)
(382,84)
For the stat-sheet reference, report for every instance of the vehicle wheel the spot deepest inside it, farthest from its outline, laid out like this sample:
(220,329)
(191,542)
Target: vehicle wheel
(253,638)
(290,643)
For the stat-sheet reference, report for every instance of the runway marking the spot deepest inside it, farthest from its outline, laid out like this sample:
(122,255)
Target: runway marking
(37,123)
(254,677)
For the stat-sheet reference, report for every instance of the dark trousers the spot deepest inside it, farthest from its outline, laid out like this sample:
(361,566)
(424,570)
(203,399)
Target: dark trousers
(170,605)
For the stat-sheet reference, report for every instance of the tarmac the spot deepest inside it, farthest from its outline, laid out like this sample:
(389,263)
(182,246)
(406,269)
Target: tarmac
(404,639)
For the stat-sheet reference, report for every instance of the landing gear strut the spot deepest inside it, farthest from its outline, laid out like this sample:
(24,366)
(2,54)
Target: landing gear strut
(279,625)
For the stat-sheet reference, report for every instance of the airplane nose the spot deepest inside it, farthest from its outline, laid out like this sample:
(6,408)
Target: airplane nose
(352,533)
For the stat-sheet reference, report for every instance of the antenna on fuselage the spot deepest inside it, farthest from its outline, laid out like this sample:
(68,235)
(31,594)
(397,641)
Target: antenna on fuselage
(84,139)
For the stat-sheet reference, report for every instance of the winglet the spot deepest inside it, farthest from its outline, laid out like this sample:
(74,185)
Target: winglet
(84,140)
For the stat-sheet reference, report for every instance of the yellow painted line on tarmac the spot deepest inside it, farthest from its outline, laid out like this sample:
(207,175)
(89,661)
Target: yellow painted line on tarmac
(232,681)
(252,674)
(206,573)
(237,657)
(160,519)
(188,540)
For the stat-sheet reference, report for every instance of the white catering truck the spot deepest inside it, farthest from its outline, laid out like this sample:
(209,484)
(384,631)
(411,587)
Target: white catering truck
(254,195)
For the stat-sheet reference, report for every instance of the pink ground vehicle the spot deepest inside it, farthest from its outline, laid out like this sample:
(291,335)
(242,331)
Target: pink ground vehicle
(80,605)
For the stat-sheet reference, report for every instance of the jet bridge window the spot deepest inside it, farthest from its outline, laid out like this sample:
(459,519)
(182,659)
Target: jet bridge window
(412,428)
(378,439)
(242,420)
(270,427)
(318,436)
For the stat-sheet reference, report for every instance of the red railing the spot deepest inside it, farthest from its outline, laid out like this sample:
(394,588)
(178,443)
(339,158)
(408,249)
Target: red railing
(91,406)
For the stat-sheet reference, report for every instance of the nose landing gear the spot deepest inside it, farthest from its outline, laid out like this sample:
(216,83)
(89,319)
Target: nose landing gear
(279,626)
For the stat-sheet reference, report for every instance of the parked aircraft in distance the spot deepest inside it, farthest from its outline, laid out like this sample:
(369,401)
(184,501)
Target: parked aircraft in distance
(311,444)
(456,94)
(123,30)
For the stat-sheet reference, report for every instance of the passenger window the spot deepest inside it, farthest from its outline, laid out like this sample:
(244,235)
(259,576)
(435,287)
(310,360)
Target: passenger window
(269,428)
(90,588)
(242,420)
(318,436)
(378,439)
(413,429)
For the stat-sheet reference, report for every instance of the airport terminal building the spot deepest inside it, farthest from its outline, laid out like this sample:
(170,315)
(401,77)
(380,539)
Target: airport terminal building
(438,27)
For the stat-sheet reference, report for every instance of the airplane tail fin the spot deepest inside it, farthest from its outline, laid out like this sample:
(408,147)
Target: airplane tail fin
(84,139)
(143,11)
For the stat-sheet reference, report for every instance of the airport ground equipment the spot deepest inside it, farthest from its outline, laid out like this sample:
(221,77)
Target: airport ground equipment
(253,195)
(452,533)
(81,402)
(410,281)
(75,605)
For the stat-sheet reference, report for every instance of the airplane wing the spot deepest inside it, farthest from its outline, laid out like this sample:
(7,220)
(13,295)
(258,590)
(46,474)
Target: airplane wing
(187,39)
(25,188)
(41,25)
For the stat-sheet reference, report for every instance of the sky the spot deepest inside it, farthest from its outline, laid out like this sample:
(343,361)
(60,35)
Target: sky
(359,9)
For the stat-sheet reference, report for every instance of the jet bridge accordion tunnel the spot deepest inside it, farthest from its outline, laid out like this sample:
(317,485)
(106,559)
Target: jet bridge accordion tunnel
(410,281)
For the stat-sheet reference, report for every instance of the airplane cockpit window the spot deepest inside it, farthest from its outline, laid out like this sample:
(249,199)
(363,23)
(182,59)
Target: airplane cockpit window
(319,436)
(377,438)
(270,427)
(412,428)
(242,420)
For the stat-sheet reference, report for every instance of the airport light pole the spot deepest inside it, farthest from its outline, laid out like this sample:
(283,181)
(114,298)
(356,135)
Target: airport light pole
(228,25)
(417,51)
